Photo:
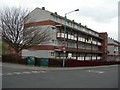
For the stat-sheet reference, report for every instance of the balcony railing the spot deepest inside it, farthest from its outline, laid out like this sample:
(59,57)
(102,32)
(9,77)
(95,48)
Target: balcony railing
(98,58)
(99,44)
(80,39)
(82,58)
(87,58)
(93,58)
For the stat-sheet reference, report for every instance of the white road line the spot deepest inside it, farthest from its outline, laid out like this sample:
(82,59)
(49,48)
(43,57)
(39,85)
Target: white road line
(9,73)
(95,71)
(26,72)
(35,71)
(100,72)
(89,70)
(38,71)
(18,73)
(1,74)
(43,71)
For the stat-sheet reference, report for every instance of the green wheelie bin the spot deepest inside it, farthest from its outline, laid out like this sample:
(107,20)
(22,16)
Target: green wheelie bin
(31,60)
(44,62)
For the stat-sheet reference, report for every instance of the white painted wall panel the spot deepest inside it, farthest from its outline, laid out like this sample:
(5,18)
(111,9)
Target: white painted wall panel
(38,15)
(38,53)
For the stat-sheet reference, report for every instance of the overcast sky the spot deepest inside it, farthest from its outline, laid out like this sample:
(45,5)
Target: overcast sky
(99,15)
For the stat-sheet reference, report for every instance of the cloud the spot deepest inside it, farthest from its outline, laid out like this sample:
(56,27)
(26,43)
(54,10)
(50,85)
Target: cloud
(101,11)
(99,14)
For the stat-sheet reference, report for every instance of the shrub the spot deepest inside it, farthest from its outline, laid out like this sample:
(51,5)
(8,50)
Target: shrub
(13,59)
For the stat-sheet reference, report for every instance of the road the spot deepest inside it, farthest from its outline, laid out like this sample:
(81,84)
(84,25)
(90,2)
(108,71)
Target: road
(106,77)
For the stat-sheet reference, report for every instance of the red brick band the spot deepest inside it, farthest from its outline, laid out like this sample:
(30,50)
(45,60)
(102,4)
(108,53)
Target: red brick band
(111,44)
(47,22)
(113,55)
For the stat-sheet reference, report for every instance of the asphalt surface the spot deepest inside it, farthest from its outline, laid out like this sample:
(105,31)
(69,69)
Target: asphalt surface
(104,77)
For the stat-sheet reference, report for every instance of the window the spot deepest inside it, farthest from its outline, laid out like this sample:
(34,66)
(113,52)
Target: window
(69,55)
(67,23)
(55,18)
(52,53)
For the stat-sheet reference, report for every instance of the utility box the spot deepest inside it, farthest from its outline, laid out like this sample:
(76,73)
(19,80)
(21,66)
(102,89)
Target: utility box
(31,60)
(44,62)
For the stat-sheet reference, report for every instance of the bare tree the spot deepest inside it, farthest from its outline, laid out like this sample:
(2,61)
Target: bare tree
(14,32)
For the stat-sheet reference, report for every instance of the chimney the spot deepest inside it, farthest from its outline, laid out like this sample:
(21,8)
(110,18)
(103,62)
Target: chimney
(79,23)
(56,13)
(43,8)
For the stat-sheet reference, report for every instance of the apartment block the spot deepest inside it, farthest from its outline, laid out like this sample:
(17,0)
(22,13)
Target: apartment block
(113,50)
(81,43)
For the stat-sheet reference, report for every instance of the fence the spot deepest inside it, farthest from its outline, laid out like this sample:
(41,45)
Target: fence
(13,59)
(57,62)
(75,63)
(18,59)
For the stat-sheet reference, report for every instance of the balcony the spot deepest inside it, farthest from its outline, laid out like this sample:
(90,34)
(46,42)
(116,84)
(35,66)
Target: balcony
(89,41)
(73,58)
(98,58)
(99,44)
(61,35)
(81,58)
(80,39)
(69,36)
(87,58)
(58,35)
(94,42)
(93,58)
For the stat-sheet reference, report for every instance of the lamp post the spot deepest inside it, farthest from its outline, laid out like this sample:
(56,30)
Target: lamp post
(64,51)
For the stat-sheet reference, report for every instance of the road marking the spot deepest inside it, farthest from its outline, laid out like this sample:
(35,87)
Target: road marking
(95,71)
(9,73)
(1,74)
(18,73)
(27,72)
(43,71)
(38,71)
(100,72)
(35,72)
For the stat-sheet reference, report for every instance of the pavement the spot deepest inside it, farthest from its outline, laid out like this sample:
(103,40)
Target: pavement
(27,67)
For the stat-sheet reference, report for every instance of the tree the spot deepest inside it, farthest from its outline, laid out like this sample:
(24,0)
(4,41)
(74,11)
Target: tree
(14,32)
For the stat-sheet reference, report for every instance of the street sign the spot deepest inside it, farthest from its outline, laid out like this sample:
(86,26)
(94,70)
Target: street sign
(63,48)
(64,44)
(64,51)
(69,55)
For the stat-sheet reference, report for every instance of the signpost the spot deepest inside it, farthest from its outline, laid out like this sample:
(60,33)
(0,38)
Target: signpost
(64,52)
